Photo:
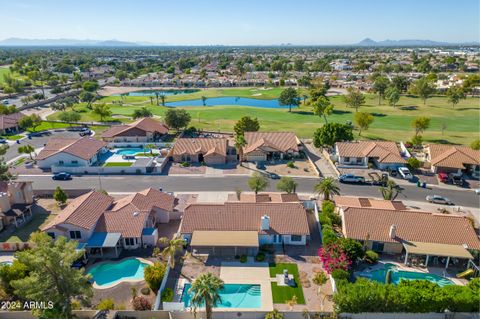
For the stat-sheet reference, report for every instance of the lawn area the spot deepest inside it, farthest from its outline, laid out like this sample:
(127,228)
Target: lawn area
(3,71)
(460,123)
(283,294)
(23,233)
(118,164)
(13,137)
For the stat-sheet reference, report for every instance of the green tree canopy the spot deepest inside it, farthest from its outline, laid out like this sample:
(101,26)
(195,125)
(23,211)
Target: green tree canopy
(455,94)
(363,121)
(59,195)
(141,112)
(475,145)
(420,124)
(380,85)
(205,292)
(287,184)
(246,124)
(177,118)
(331,133)
(153,275)
(327,187)
(103,110)
(322,107)
(257,182)
(69,117)
(290,98)
(422,88)
(354,98)
(393,95)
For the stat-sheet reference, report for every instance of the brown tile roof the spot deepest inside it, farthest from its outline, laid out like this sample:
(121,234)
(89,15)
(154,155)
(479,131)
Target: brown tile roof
(85,147)
(146,200)
(384,151)
(10,120)
(84,211)
(268,197)
(280,141)
(127,221)
(453,156)
(199,145)
(285,218)
(411,226)
(346,201)
(146,124)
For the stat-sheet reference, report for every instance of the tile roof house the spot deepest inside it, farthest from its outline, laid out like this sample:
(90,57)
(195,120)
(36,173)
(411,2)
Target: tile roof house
(414,232)
(142,130)
(347,201)
(263,146)
(383,154)
(96,218)
(269,198)
(66,152)
(9,123)
(453,159)
(16,199)
(196,150)
(260,223)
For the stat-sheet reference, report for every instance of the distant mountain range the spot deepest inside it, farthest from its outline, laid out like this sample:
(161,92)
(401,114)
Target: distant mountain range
(69,42)
(408,42)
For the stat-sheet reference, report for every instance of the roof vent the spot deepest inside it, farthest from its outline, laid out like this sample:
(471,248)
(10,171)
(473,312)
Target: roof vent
(135,214)
(393,231)
(265,223)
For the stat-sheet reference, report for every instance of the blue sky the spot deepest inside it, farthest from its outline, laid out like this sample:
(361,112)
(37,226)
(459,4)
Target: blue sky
(239,22)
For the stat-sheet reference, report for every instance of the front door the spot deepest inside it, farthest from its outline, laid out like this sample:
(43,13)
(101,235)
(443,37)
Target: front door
(277,239)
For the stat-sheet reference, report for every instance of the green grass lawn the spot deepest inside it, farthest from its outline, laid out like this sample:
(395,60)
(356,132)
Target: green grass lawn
(12,137)
(3,71)
(461,123)
(118,164)
(283,294)
(22,234)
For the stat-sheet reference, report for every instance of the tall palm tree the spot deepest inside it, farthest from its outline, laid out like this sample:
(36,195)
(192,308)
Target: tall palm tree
(27,149)
(327,187)
(240,143)
(172,246)
(206,292)
(204,100)
(162,97)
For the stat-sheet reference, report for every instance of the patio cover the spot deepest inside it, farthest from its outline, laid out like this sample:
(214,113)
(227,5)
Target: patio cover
(103,240)
(431,249)
(204,238)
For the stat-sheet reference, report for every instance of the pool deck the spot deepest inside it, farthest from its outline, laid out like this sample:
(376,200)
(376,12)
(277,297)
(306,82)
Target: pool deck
(95,286)
(249,273)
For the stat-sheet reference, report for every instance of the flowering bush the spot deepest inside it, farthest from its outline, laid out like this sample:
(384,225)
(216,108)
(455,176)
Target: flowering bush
(333,257)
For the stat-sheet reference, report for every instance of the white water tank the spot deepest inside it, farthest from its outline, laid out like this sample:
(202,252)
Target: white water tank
(393,231)
(265,223)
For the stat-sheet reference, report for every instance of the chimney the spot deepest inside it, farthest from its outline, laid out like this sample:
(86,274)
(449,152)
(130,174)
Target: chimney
(265,224)
(393,231)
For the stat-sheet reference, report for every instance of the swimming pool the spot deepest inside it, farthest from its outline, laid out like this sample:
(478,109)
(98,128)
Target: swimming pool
(131,151)
(152,92)
(230,100)
(108,274)
(397,275)
(232,296)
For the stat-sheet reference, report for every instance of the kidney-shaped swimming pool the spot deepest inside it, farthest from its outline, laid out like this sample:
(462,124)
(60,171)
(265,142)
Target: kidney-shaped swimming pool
(108,274)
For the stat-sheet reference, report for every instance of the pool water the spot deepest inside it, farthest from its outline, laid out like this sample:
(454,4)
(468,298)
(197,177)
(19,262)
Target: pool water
(152,92)
(112,273)
(232,296)
(131,151)
(399,275)
(230,100)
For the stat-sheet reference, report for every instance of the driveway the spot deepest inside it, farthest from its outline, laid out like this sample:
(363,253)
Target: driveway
(323,165)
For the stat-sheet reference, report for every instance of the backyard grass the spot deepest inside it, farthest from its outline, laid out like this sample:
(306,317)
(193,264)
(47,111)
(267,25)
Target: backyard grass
(13,137)
(283,294)
(118,164)
(459,124)
(23,233)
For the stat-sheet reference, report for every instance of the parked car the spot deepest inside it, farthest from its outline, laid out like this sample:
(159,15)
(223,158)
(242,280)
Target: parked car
(350,178)
(477,191)
(3,140)
(443,177)
(86,132)
(456,179)
(392,172)
(260,165)
(5,102)
(405,173)
(437,199)
(62,176)
(273,175)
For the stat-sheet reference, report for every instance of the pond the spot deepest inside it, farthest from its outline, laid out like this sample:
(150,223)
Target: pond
(229,101)
(161,92)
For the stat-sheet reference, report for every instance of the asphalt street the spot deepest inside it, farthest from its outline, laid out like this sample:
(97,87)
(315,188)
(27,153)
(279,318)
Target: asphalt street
(125,184)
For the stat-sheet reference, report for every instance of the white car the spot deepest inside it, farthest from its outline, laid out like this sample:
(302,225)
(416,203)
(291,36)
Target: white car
(405,173)
(437,199)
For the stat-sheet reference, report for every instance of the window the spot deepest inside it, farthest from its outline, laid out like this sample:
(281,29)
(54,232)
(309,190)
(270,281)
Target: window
(377,246)
(359,160)
(61,162)
(129,241)
(346,159)
(75,234)
(295,238)
(74,162)
(51,234)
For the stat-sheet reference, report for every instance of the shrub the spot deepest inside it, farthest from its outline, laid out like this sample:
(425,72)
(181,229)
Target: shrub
(324,219)
(167,295)
(413,163)
(333,257)
(260,257)
(371,256)
(243,259)
(291,164)
(106,304)
(328,207)
(133,292)
(352,248)
(185,164)
(328,236)
(145,291)
(153,275)
(141,303)
(76,305)
(320,278)
(340,274)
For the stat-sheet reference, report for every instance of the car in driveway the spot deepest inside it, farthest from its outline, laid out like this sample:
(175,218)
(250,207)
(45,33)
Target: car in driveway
(405,173)
(437,199)
(273,175)
(350,178)
(443,177)
(260,165)
(62,176)
(86,132)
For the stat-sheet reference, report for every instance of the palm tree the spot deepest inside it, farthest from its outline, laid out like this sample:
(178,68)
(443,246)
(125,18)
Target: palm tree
(26,149)
(391,191)
(162,97)
(240,143)
(327,187)
(205,290)
(173,245)
(157,94)
(204,100)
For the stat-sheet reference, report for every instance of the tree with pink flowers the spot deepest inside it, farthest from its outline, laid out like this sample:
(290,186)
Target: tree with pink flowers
(333,257)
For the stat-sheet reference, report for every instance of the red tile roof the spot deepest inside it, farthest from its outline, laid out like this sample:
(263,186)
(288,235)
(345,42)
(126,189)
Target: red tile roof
(453,156)
(268,197)
(10,120)
(280,141)
(346,201)
(411,226)
(285,218)
(383,151)
(199,145)
(146,124)
(146,200)
(85,147)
